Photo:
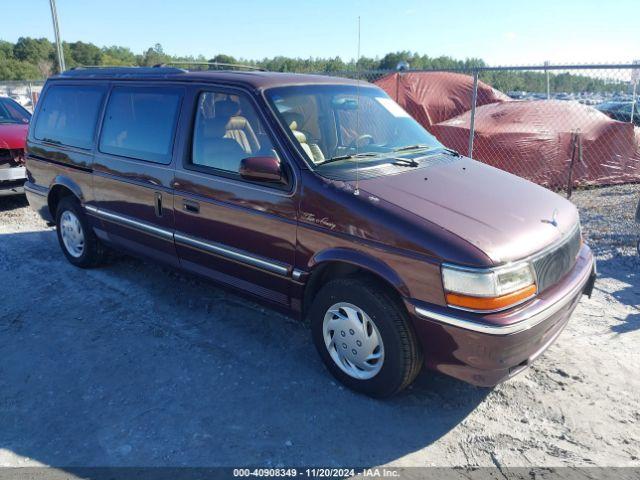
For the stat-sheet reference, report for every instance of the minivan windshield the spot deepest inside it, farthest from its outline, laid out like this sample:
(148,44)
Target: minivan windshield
(334,123)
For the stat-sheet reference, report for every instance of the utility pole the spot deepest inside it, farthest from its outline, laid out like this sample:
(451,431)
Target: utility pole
(56,32)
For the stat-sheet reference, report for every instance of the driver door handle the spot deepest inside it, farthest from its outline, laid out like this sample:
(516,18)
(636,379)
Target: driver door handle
(190,206)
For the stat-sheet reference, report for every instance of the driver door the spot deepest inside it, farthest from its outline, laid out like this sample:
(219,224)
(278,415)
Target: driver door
(234,231)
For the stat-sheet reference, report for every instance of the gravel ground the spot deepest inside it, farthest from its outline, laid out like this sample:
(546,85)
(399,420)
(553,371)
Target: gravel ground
(136,365)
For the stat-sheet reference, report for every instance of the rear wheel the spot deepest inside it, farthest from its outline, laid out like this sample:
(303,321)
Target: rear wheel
(76,237)
(364,337)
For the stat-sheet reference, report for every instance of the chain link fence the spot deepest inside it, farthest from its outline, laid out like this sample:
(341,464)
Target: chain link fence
(559,126)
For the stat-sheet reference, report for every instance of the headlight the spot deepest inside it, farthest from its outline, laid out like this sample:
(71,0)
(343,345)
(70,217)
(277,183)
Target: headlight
(488,290)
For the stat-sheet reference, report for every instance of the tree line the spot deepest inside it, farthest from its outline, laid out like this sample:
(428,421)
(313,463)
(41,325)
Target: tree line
(35,59)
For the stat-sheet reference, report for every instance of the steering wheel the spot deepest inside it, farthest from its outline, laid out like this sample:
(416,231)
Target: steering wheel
(357,142)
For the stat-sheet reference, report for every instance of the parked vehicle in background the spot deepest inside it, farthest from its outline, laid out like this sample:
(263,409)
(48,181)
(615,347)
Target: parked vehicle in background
(621,111)
(14,124)
(321,196)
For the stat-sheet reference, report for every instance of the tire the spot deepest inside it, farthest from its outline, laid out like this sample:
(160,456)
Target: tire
(74,231)
(399,356)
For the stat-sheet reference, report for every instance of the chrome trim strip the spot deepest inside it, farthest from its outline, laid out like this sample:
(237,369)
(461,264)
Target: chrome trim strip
(232,254)
(192,242)
(130,222)
(297,274)
(521,326)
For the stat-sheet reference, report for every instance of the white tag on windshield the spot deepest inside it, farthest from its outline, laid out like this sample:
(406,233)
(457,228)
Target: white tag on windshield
(392,107)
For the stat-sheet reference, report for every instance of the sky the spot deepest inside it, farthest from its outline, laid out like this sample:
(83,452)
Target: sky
(501,32)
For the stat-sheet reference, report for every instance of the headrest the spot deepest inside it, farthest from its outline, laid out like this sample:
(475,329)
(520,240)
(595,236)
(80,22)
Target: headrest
(300,137)
(294,119)
(237,123)
(214,127)
(226,108)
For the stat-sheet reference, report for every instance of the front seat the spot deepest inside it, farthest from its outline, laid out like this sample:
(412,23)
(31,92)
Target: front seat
(216,150)
(239,129)
(311,149)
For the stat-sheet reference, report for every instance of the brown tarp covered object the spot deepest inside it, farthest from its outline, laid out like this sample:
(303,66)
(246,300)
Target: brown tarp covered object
(433,97)
(534,140)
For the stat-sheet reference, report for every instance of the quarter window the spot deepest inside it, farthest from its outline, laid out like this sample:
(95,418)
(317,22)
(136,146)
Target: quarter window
(68,115)
(227,129)
(141,122)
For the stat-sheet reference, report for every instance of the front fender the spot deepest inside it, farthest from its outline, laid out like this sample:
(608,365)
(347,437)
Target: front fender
(363,261)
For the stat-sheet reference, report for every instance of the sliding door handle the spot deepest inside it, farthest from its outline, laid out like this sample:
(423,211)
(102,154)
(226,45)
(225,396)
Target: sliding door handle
(158,204)
(190,206)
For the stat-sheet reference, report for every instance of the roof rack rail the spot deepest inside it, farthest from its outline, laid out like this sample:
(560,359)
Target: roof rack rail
(215,64)
(80,67)
(119,70)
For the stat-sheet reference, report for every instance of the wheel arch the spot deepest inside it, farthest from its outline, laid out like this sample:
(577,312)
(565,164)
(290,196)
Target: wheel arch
(342,263)
(62,187)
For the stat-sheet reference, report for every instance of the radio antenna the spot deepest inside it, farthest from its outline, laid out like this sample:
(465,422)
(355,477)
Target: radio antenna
(357,190)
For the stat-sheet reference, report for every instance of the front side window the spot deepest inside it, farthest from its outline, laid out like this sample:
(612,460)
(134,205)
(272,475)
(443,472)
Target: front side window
(140,123)
(227,129)
(329,122)
(68,115)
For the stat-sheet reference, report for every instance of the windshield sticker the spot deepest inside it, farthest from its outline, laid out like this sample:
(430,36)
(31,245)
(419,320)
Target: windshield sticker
(392,107)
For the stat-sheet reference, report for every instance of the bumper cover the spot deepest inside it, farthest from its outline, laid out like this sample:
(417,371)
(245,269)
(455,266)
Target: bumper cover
(11,174)
(487,349)
(37,198)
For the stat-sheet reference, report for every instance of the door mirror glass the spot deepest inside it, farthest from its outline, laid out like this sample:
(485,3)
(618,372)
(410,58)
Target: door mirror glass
(262,169)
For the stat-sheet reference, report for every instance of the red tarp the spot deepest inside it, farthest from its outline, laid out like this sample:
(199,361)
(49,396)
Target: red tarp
(533,139)
(433,97)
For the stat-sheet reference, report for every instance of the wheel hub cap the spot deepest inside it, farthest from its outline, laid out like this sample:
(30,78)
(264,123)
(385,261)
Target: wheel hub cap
(72,234)
(353,341)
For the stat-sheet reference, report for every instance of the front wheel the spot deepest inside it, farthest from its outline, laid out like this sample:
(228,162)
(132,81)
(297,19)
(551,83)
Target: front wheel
(76,237)
(364,337)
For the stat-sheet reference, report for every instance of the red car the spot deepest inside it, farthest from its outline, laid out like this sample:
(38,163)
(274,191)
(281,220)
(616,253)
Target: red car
(14,124)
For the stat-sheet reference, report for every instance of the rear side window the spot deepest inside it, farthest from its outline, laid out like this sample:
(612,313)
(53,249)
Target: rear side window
(68,115)
(140,123)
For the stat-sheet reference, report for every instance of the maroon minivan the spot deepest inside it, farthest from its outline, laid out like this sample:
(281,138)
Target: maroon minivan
(321,196)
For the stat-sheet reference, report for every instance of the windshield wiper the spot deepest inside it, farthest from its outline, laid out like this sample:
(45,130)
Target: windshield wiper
(452,152)
(410,162)
(347,157)
(411,147)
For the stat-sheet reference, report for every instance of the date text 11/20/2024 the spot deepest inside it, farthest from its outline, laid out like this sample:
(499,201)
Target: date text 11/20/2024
(317,472)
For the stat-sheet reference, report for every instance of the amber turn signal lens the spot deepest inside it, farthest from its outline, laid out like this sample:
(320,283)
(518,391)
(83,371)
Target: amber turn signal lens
(491,303)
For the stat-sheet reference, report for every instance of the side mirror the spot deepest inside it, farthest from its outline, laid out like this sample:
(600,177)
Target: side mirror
(261,169)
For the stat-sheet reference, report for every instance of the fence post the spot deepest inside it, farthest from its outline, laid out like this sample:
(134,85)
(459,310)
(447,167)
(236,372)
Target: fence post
(472,125)
(577,146)
(546,71)
(634,101)
(33,104)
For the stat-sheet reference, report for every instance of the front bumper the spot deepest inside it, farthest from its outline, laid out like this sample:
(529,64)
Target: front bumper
(487,349)
(12,180)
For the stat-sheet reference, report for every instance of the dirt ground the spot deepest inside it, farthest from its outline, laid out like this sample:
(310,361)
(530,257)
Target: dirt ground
(136,365)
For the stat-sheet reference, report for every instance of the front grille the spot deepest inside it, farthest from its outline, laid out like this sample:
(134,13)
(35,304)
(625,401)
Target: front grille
(554,265)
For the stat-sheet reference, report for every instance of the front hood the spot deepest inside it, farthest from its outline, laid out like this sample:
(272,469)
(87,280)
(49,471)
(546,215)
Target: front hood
(13,135)
(505,216)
